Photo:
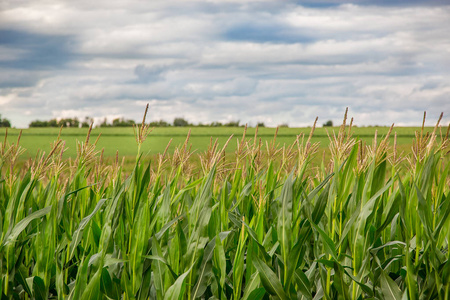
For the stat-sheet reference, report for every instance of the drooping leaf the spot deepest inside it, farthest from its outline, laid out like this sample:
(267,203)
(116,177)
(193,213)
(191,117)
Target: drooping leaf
(22,224)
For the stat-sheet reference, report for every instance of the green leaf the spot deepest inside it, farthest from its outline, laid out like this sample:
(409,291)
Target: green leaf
(76,237)
(349,224)
(107,286)
(205,270)
(388,244)
(269,279)
(303,283)
(367,288)
(81,281)
(257,294)
(393,210)
(443,217)
(39,290)
(389,288)
(252,234)
(321,203)
(19,276)
(164,261)
(63,199)
(176,290)
(339,282)
(251,286)
(330,247)
(368,207)
(424,211)
(292,262)
(285,219)
(108,260)
(20,226)
(220,261)
(167,226)
(92,290)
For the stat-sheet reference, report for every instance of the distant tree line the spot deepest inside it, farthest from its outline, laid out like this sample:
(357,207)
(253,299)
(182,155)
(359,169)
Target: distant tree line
(329,123)
(181,122)
(121,122)
(74,122)
(4,122)
(67,122)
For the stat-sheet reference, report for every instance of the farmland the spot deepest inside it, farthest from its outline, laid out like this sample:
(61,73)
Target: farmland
(249,221)
(122,139)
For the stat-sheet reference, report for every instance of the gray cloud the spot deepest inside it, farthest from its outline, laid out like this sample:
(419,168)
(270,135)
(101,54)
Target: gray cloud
(146,74)
(270,61)
(38,51)
(13,78)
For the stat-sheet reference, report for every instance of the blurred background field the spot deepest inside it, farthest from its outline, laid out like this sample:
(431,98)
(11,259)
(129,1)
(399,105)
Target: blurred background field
(122,140)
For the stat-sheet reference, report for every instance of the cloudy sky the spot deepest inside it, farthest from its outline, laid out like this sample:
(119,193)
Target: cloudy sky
(249,60)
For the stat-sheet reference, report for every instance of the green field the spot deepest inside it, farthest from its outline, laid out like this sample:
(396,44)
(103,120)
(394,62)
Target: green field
(122,139)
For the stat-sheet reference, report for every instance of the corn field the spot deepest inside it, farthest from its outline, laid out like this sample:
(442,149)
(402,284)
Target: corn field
(262,223)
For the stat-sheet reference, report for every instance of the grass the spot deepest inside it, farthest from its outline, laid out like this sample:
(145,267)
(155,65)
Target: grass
(249,222)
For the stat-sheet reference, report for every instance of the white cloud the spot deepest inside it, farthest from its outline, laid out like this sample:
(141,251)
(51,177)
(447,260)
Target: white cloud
(4,100)
(276,62)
